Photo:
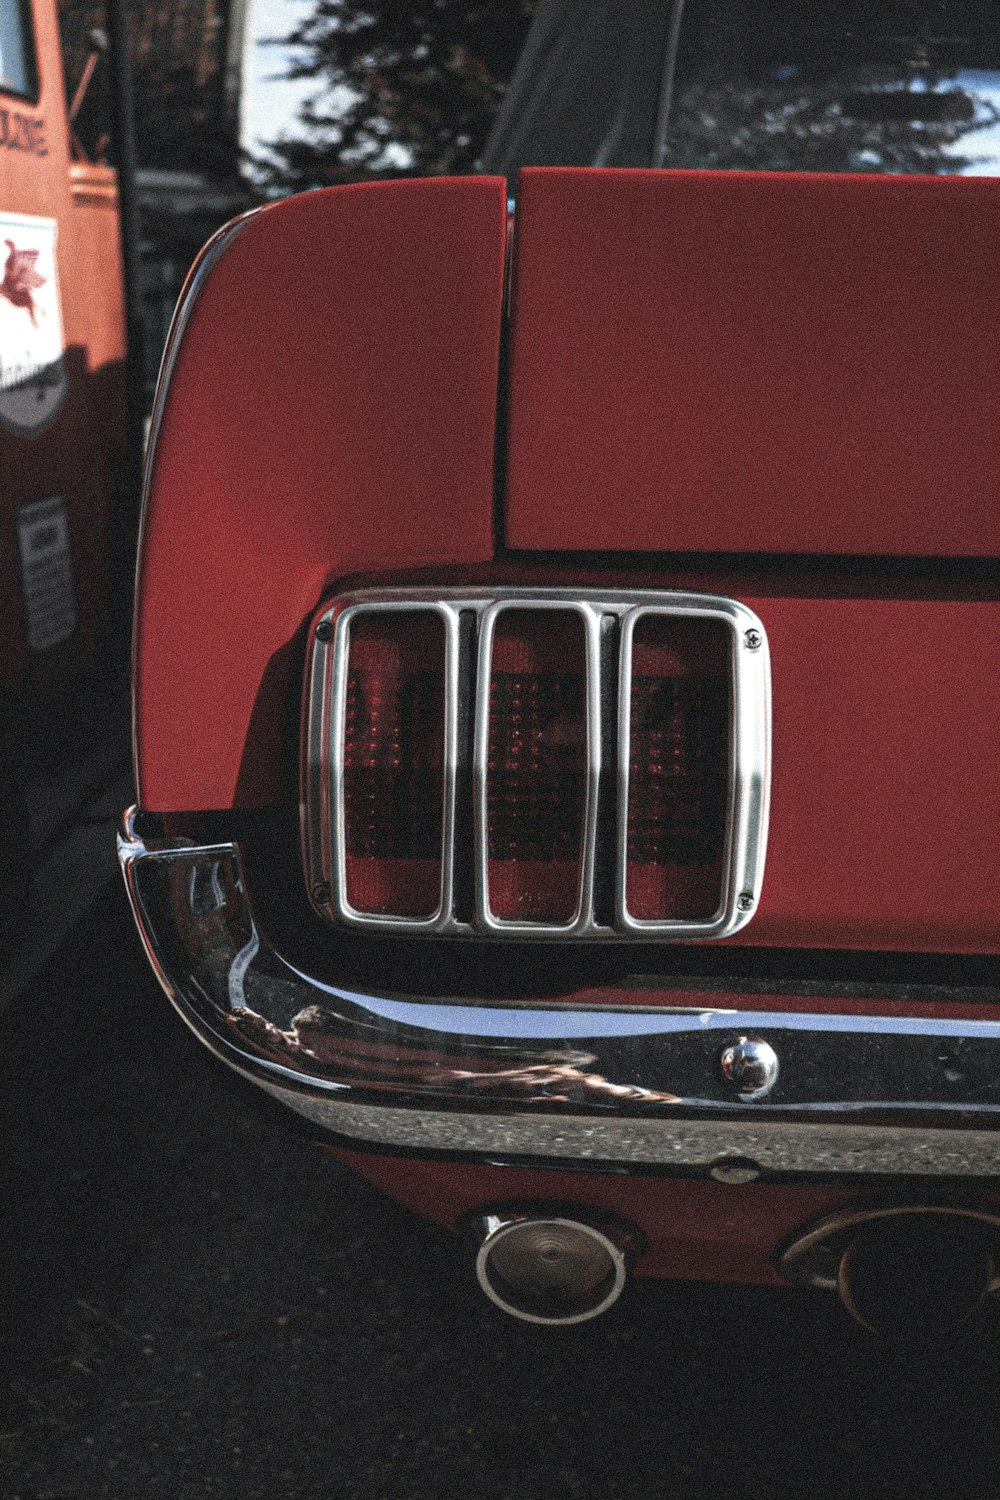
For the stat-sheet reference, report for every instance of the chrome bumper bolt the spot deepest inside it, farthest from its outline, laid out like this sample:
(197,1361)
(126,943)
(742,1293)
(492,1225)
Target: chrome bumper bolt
(751,1066)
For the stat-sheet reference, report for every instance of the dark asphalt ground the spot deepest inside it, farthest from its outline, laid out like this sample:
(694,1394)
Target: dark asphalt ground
(200,1303)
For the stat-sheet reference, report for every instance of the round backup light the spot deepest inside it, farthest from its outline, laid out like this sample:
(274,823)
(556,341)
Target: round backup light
(549,1270)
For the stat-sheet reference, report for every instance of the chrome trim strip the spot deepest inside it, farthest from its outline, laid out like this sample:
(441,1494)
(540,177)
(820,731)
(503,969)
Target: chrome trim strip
(592,625)
(750,740)
(317,796)
(615,1084)
(452,686)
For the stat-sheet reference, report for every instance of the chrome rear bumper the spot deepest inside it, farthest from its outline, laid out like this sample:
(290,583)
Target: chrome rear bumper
(605,1079)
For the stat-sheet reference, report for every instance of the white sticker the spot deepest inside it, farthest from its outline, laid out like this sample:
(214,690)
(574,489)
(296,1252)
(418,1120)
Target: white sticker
(32,371)
(46,572)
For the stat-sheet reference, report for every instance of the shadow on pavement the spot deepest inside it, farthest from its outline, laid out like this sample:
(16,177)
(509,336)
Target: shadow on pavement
(199,1303)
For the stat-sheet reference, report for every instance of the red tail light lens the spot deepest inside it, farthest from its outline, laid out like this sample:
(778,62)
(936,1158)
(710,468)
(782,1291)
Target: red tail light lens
(536,767)
(678,784)
(394,763)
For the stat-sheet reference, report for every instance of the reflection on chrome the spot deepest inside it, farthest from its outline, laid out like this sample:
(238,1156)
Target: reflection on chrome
(314,1041)
(561,1081)
(621,1082)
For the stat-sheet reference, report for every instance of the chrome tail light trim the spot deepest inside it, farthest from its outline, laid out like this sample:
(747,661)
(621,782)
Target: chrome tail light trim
(468,661)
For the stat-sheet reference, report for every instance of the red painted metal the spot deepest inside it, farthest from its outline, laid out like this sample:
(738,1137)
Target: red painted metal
(331,410)
(754,362)
(695,1230)
(886,776)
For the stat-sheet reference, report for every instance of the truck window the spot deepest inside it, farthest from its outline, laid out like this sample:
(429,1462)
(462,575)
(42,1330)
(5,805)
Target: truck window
(18,74)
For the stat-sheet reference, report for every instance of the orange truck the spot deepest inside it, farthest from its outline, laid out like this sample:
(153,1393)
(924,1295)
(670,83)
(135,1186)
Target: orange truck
(62,381)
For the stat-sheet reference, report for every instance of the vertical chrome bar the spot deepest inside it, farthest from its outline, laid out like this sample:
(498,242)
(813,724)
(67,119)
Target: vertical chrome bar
(480,754)
(452,648)
(338,707)
(624,753)
(314,809)
(750,737)
(592,646)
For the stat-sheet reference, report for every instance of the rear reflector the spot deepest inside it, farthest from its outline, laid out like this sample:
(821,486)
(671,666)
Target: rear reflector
(678,768)
(536,765)
(393,752)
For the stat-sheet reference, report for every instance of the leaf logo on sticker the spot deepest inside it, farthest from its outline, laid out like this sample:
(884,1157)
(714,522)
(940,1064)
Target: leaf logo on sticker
(21,280)
(32,369)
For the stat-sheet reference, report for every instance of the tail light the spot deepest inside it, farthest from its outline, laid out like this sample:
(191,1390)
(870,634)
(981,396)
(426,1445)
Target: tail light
(393,753)
(677,684)
(538,764)
(535,783)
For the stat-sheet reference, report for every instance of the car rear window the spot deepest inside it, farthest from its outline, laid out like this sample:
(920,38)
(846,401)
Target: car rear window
(900,86)
(911,86)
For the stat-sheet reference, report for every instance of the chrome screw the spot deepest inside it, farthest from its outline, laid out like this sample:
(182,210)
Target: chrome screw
(753,639)
(751,1066)
(320,892)
(744,901)
(324,631)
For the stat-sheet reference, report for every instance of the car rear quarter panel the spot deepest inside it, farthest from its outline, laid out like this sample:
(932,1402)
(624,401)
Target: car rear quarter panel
(331,409)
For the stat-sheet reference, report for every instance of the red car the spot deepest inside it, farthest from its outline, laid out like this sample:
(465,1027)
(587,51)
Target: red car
(514,577)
